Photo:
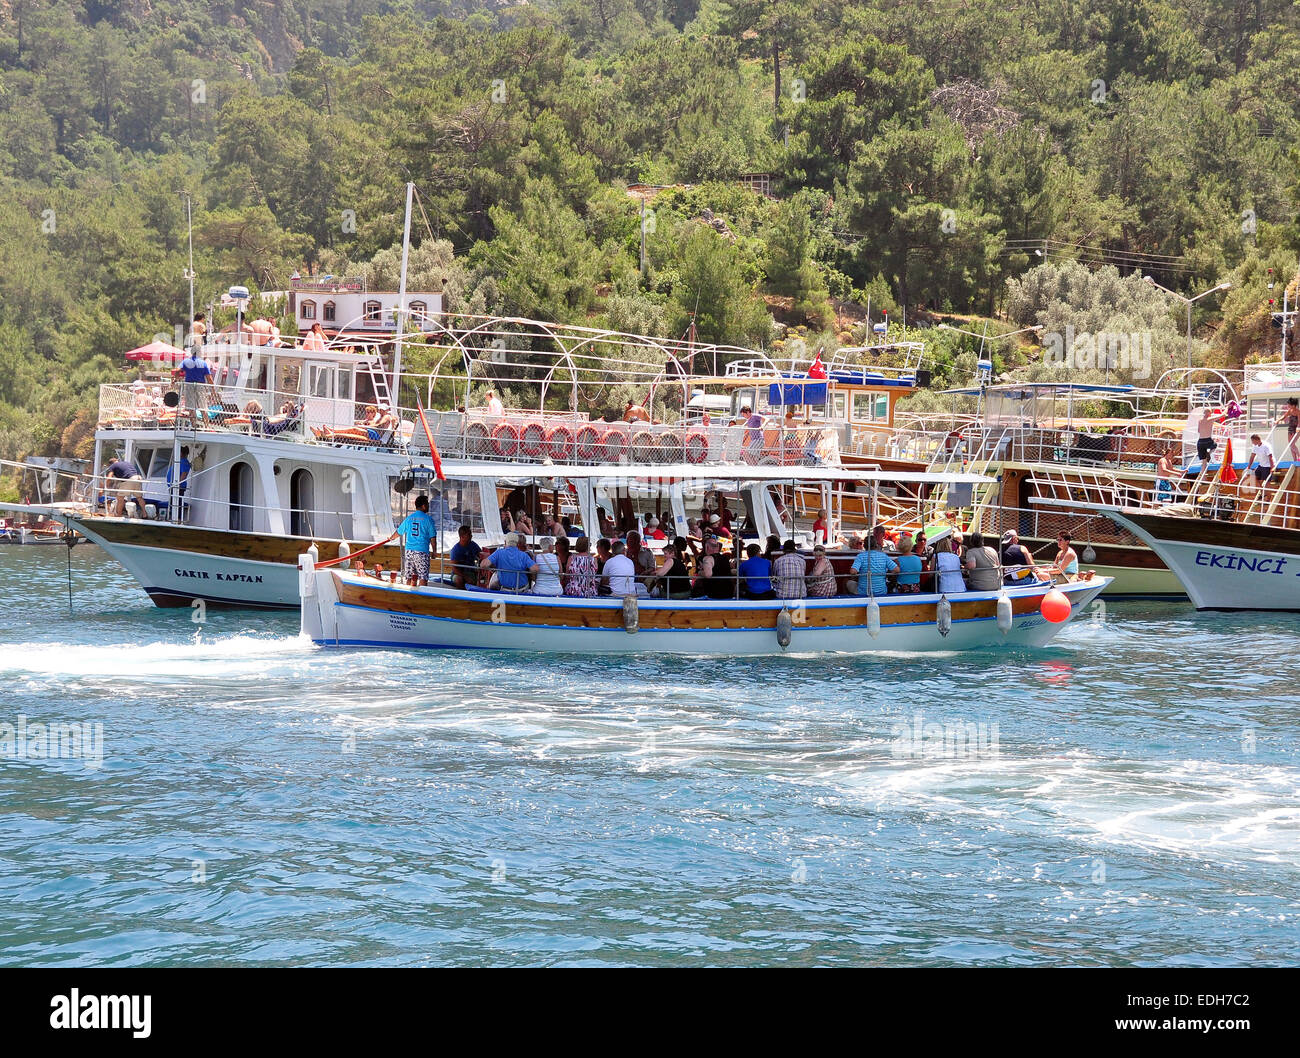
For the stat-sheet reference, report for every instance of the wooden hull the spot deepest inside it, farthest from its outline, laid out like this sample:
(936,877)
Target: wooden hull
(178,565)
(346,610)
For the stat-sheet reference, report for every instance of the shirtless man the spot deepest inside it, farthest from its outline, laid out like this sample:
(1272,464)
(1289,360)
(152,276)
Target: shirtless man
(1205,443)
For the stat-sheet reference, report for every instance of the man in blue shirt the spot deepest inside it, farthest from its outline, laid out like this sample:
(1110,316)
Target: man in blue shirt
(196,385)
(872,564)
(178,474)
(123,481)
(465,554)
(514,567)
(418,532)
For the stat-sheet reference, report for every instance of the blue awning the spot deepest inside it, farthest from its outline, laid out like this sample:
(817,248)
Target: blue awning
(796,393)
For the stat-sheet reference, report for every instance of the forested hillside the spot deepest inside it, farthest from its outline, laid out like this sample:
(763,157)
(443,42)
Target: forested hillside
(920,155)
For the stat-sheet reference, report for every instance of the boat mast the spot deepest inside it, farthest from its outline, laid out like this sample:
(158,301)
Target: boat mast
(401,294)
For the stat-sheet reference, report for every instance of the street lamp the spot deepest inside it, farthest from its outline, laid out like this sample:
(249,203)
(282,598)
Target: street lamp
(1188,302)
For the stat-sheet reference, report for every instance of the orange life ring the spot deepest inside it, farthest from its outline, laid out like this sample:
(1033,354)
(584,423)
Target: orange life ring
(505,439)
(559,439)
(532,439)
(588,443)
(477,439)
(697,447)
(668,447)
(615,445)
(643,446)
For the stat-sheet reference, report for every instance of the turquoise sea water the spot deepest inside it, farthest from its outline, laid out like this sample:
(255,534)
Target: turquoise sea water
(1131,796)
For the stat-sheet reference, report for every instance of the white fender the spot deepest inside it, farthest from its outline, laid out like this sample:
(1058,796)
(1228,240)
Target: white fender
(873,618)
(784,628)
(1004,612)
(1089,555)
(307,572)
(631,614)
(943,615)
(344,549)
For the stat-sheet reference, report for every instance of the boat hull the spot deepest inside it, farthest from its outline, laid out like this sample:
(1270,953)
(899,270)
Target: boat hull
(1134,572)
(178,565)
(342,610)
(1224,565)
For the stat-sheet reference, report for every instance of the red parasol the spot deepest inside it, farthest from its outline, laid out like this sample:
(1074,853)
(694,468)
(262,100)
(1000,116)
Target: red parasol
(156,351)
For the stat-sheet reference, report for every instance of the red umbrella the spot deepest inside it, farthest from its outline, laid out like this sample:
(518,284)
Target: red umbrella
(156,351)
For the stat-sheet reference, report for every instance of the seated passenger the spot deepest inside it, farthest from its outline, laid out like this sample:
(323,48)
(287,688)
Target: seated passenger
(909,567)
(514,568)
(714,578)
(653,531)
(580,578)
(947,566)
(673,577)
(871,565)
(619,573)
(982,572)
(789,573)
(821,578)
(1017,563)
(465,557)
(757,573)
(548,570)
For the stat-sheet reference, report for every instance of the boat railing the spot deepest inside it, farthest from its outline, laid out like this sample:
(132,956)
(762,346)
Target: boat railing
(1273,375)
(1048,522)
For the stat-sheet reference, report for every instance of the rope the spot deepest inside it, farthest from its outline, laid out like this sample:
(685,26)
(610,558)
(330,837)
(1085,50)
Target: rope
(355,554)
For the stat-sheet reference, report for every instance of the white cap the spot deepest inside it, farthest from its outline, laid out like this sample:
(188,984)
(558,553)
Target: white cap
(714,519)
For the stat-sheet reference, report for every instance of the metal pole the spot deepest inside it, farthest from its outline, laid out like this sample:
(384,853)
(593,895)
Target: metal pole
(1189,341)
(401,295)
(1285,318)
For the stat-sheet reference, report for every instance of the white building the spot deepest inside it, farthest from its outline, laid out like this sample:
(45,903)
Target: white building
(345,306)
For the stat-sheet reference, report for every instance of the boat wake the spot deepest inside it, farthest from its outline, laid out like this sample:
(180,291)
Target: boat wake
(225,656)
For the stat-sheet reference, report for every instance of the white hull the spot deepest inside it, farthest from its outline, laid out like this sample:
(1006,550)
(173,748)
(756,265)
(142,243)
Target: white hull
(1219,577)
(329,622)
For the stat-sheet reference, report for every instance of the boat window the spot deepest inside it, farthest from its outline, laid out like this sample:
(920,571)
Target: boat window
(288,371)
(302,503)
(863,407)
(839,406)
(343,387)
(319,377)
(241,497)
(373,310)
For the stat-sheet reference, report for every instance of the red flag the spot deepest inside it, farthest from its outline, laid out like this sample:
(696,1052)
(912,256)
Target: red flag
(433,448)
(817,369)
(1227,474)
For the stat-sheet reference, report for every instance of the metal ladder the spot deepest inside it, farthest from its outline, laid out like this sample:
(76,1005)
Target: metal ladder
(374,368)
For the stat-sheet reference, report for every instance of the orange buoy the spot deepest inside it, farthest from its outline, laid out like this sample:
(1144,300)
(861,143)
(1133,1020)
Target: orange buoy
(559,439)
(1055,607)
(587,443)
(532,439)
(643,446)
(668,447)
(615,442)
(505,439)
(477,439)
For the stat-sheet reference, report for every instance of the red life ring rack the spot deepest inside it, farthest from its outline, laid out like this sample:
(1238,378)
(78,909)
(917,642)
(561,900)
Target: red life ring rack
(668,447)
(643,446)
(559,440)
(615,445)
(697,447)
(477,439)
(588,443)
(532,439)
(505,438)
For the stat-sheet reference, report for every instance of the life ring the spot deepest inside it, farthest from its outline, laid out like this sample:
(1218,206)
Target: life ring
(668,447)
(532,439)
(587,443)
(615,445)
(643,446)
(559,439)
(696,447)
(505,438)
(477,439)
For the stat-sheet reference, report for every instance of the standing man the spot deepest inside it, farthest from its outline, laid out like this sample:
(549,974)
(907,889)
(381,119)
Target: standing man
(178,474)
(1205,442)
(1261,460)
(418,533)
(493,403)
(196,376)
(122,479)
